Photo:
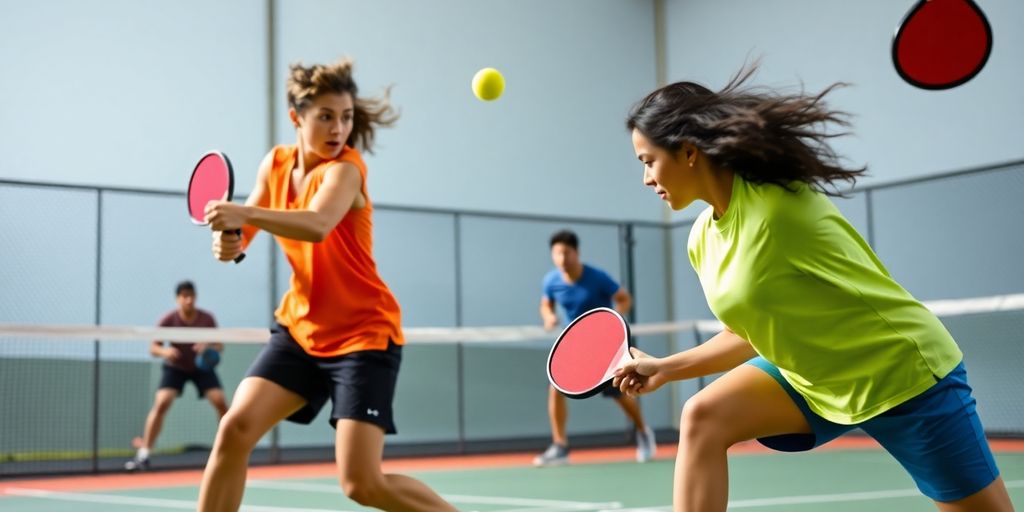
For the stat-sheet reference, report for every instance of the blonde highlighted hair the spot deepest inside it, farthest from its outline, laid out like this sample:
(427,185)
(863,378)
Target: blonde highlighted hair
(305,83)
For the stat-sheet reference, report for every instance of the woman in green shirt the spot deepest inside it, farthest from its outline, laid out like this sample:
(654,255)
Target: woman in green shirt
(831,341)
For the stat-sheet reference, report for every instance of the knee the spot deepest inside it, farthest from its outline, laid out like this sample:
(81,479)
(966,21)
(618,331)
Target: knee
(697,421)
(220,406)
(237,431)
(160,407)
(366,491)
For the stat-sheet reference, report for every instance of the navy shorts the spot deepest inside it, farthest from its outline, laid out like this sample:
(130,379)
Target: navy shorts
(937,435)
(361,385)
(175,378)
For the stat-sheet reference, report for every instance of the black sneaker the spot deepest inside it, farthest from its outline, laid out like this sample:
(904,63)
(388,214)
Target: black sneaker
(555,455)
(137,464)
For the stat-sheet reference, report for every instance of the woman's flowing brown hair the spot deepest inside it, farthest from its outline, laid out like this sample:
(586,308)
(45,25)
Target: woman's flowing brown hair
(305,83)
(761,134)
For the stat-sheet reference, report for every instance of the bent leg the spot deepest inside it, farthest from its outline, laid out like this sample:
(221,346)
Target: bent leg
(259,404)
(218,401)
(993,498)
(359,447)
(558,414)
(744,404)
(155,420)
(631,407)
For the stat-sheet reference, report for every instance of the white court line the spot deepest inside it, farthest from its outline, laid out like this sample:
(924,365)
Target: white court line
(561,509)
(560,505)
(454,498)
(139,501)
(814,498)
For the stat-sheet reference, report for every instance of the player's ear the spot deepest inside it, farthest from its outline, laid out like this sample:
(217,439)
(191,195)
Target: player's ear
(688,153)
(294,116)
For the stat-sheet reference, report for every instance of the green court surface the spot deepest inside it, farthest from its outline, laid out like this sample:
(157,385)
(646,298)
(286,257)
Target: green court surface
(834,481)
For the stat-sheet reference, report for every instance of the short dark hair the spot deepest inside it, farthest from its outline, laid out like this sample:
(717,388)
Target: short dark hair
(565,237)
(184,286)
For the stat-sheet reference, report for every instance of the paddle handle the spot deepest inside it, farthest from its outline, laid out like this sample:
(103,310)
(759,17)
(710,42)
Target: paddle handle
(240,257)
(621,357)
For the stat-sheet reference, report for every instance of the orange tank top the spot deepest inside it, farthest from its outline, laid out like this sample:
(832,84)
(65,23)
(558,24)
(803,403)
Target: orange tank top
(337,303)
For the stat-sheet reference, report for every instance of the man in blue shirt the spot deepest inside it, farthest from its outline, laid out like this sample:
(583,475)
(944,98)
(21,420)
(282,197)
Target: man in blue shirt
(578,288)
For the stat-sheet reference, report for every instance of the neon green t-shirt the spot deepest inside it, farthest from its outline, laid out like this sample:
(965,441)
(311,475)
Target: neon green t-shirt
(789,274)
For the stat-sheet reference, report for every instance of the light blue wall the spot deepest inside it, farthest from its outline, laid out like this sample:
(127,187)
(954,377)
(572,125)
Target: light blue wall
(35,261)
(555,142)
(123,93)
(954,237)
(900,131)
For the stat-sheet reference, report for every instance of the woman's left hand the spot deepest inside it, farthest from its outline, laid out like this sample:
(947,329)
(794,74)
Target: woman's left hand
(225,216)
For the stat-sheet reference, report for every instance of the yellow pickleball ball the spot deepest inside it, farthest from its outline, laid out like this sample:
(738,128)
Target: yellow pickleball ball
(488,84)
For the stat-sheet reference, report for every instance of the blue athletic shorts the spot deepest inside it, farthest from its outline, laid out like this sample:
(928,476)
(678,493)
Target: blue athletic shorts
(936,436)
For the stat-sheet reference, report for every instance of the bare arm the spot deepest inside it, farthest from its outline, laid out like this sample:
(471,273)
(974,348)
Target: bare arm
(226,245)
(548,314)
(168,353)
(156,349)
(725,351)
(342,184)
(259,197)
(623,301)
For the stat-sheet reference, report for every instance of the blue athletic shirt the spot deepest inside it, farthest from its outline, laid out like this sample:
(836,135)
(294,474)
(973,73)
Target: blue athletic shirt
(594,289)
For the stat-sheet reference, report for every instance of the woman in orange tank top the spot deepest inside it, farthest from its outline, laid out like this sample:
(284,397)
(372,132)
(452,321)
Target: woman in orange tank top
(338,328)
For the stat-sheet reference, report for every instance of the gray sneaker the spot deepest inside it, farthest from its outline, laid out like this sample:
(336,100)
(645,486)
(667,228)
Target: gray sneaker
(555,455)
(136,464)
(646,445)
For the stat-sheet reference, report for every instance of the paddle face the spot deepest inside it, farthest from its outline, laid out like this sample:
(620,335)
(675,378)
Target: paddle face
(941,44)
(207,359)
(213,179)
(584,356)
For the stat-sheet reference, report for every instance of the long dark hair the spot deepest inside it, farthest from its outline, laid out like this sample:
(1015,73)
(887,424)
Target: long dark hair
(761,134)
(305,83)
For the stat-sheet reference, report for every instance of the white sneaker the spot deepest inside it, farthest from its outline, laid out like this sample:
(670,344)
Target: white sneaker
(646,444)
(555,455)
(136,464)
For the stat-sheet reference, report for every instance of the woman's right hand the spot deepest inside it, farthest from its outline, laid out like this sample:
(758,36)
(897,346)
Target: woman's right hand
(641,375)
(226,245)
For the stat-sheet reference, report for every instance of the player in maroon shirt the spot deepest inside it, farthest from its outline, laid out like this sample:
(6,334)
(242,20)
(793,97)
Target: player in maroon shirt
(179,367)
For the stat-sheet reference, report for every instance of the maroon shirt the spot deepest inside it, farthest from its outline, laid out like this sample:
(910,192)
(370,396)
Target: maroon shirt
(187,361)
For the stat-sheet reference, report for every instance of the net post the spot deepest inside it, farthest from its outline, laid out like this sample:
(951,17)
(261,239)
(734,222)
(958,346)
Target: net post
(460,395)
(96,343)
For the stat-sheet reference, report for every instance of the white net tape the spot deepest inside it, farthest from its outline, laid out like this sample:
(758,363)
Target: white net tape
(432,335)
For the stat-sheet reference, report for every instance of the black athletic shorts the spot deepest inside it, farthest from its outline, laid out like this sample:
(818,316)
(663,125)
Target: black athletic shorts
(175,378)
(361,385)
(611,392)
